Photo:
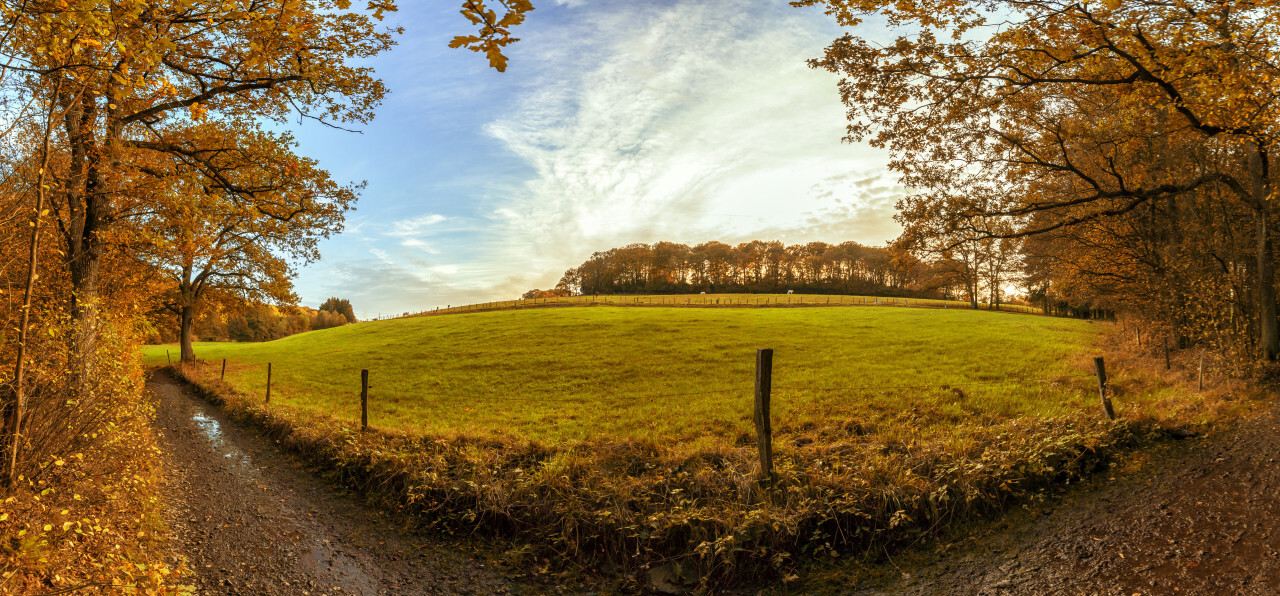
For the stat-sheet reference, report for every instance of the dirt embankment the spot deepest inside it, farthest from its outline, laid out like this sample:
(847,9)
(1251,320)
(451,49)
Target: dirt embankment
(1200,516)
(251,520)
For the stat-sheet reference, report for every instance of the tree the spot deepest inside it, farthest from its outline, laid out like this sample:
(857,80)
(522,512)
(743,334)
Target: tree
(236,239)
(756,266)
(340,306)
(1070,112)
(133,77)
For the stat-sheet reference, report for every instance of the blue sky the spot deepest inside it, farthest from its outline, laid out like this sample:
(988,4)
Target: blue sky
(616,122)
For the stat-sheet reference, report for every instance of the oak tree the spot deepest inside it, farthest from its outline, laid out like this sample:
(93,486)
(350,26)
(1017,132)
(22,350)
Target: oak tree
(235,219)
(1047,114)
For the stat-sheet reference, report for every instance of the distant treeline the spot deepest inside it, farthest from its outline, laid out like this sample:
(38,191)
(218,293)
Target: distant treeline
(256,322)
(757,266)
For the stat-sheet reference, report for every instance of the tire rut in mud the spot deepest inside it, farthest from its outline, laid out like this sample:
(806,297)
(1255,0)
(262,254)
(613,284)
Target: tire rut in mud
(1200,516)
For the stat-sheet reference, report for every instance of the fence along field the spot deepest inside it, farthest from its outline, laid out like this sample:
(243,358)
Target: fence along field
(721,300)
(623,437)
(677,376)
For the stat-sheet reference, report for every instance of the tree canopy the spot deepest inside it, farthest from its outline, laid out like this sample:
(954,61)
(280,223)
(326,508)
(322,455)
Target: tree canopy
(1022,118)
(340,306)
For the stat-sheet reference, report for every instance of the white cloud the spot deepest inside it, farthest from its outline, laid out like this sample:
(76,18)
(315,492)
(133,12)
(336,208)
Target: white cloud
(681,120)
(690,122)
(415,226)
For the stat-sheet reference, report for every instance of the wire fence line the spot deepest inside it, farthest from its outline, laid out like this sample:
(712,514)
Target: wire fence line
(760,391)
(711,300)
(864,389)
(956,385)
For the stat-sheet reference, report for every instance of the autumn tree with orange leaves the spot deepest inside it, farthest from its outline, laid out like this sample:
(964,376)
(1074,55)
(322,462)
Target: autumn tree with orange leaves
(1043,116)
(239,239)
(129,73)
(133,147)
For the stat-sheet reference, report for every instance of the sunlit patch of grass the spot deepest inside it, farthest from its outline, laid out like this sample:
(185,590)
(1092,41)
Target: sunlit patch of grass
(681,375)
(718,300)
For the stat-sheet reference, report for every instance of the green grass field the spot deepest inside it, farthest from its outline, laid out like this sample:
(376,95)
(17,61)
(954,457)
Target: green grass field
(678,376)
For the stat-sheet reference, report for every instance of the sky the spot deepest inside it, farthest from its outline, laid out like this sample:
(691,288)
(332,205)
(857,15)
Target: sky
(616,122)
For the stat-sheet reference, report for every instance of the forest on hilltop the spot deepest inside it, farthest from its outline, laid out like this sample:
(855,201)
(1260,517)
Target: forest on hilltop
(814,267)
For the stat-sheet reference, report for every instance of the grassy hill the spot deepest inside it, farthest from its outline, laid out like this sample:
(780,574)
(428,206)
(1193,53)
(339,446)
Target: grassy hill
(622,438)
(679,375)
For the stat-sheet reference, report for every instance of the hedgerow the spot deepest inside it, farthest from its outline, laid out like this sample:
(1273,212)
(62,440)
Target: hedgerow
(86,514)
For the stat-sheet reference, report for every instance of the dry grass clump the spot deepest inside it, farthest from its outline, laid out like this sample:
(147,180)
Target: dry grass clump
(630,505)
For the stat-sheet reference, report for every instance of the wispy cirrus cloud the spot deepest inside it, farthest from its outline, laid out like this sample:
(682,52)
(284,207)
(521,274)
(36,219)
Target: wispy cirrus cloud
(688,122)
(620,122)
(415,226)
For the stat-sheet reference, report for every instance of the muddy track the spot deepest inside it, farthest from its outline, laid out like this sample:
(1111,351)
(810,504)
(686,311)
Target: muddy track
(251,520)
(1199,516)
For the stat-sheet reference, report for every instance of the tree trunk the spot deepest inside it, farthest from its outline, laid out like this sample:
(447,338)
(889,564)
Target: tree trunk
(187,335)
(1269,326)
(15,409)
(88,206)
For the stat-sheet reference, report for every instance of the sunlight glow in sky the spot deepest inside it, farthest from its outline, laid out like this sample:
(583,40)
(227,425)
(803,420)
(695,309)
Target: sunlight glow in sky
(616,122)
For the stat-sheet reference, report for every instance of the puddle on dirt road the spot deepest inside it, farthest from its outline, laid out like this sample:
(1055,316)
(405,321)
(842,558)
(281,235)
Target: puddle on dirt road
(209,427)
(338,566)
(212,430)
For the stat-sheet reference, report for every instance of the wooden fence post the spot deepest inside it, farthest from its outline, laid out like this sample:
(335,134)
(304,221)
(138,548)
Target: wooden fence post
(1200,375)
(1166,353)
(223,376)
(364,399)
(764,431)
(1101,368)
(268,382)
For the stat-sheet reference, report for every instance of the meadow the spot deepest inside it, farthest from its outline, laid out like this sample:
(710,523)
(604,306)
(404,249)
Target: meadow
(622,438)
(683,376)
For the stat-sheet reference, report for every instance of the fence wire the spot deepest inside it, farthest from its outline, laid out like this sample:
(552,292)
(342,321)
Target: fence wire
(698,300)
(863,389)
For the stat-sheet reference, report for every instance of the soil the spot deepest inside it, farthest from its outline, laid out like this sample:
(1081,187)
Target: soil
(249,519)
(1195,516)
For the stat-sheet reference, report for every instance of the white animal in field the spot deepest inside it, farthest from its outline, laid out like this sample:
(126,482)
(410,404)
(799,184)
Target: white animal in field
(791,291)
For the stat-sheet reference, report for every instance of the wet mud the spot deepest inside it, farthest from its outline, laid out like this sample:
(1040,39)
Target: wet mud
(1197,516)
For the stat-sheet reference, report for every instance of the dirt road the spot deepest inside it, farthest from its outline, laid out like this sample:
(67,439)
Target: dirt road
(1200,516)
(251,520)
